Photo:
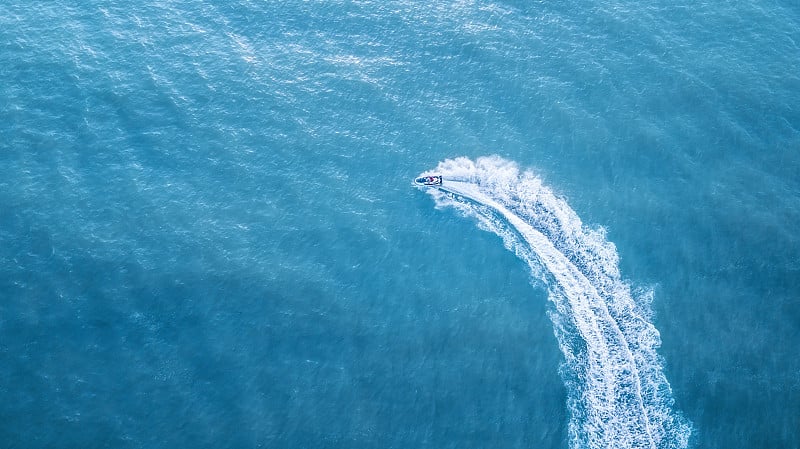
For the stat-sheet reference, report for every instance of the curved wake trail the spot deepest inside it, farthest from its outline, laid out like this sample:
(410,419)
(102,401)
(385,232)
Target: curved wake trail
(618,395)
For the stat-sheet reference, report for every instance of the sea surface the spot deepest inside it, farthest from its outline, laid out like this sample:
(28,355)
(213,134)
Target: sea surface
(209,234)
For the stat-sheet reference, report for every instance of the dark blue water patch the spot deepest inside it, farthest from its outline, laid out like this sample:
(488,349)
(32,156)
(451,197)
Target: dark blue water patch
(106,352)
(138,139)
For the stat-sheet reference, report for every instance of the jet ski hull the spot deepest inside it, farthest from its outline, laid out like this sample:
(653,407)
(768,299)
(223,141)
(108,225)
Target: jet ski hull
(429,180)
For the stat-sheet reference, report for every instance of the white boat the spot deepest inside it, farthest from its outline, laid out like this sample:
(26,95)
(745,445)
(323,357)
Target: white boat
(435,180)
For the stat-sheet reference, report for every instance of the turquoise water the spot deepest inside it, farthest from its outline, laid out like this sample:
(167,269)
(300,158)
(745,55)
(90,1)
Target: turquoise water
(210,237)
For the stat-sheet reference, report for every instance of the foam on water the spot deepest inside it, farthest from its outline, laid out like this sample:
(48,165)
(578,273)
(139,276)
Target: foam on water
(618,395)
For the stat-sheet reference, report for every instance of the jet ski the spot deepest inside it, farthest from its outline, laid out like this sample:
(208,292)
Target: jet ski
(435,180)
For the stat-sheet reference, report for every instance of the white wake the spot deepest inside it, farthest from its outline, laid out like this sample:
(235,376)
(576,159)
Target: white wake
(618,395)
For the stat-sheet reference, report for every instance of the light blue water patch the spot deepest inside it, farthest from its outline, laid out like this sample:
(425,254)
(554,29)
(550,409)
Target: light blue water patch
(209,237)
